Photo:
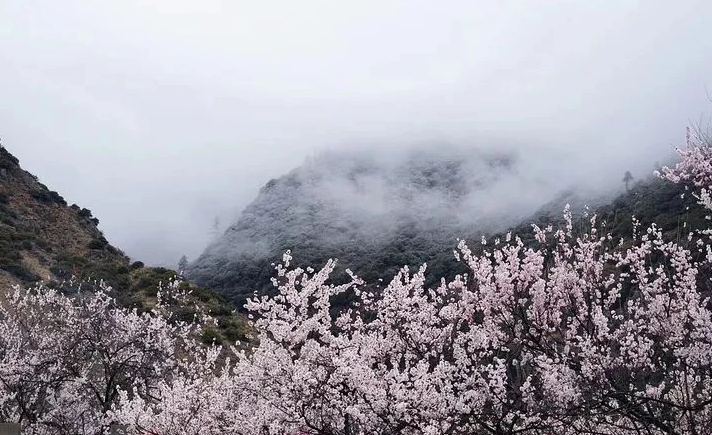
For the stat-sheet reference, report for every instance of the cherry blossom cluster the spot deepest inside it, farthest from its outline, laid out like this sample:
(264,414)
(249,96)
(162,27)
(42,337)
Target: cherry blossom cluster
(67,359)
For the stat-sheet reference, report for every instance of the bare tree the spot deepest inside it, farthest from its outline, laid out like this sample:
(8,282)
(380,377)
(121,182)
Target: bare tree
(215,229)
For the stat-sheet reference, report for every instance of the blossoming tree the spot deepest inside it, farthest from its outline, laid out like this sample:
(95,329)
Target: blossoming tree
(64,360)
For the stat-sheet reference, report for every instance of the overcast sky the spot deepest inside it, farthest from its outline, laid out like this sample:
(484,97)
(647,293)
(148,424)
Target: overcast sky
(159,115)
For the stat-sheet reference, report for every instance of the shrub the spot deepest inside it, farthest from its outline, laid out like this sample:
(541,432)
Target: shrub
(48,197)
(97,244)
(210,336)
(231,330)
(19,271)
(85,213)
(184,314)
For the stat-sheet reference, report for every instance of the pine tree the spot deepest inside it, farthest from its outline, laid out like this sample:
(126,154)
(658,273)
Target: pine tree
(182,265)
(627,178)
(215,229)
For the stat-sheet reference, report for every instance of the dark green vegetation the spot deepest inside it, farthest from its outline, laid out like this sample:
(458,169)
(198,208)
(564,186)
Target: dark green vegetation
(12,243)
(143,286)
(670,206)
(41,238)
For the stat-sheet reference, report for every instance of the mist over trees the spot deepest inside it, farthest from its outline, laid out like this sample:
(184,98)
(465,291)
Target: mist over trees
(582,333)
(380,210)
(182,265)
(627,178)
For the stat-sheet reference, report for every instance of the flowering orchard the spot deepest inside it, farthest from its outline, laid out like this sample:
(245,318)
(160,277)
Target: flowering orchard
(579,334)
(64,360)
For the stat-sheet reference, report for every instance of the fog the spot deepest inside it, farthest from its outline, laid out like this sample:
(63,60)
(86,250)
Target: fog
(371,196)
(159,116)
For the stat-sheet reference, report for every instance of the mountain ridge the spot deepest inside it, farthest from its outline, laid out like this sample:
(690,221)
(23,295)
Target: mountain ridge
(376,213)
(320,211)
(41,235)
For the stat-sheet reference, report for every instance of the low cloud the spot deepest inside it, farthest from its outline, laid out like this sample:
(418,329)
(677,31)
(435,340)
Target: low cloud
(160,117)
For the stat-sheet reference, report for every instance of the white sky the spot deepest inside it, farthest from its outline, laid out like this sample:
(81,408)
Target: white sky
(158,115)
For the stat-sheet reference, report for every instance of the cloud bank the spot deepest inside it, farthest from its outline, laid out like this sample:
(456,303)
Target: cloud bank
(161,115)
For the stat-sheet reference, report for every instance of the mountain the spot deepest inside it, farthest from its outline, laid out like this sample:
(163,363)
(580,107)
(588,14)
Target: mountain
(375,211)
(44,239)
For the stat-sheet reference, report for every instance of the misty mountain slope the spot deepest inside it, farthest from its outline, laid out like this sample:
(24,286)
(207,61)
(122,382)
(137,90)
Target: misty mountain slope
(240,262)
(375,212)
(651,201)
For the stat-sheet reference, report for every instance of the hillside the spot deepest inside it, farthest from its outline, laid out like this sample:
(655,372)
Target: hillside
(376,217)
(360,207)
(44,239)
(41,238)
(375,212)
